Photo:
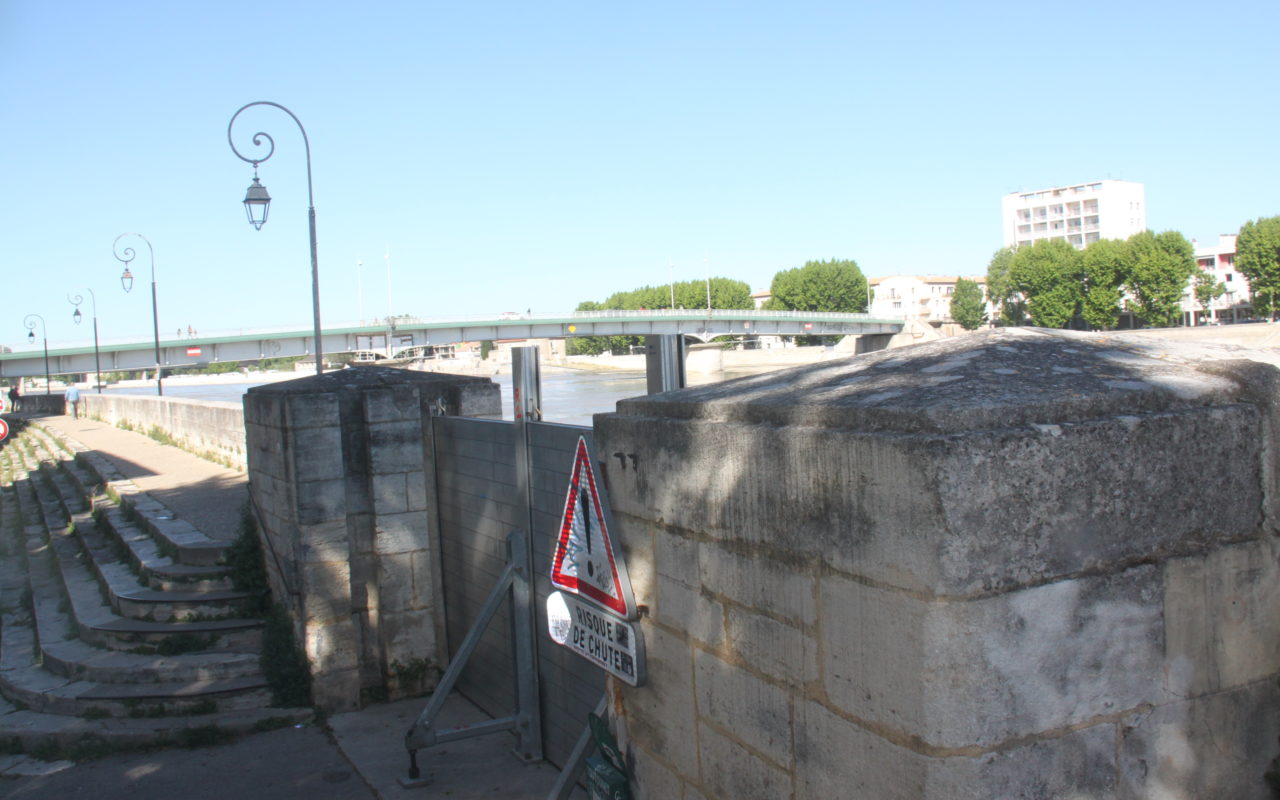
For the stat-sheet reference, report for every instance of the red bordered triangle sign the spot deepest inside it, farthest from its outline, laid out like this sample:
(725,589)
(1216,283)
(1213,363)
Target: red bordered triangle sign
(584,561)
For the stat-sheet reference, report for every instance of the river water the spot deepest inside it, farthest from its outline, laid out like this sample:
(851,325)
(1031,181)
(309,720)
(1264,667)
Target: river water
(571,397)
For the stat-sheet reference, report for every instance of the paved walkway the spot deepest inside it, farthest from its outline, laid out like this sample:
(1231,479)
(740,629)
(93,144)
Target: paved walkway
(358,755)
(205,494)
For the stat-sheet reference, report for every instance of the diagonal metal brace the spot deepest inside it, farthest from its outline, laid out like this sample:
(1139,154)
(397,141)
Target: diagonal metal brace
(423,732)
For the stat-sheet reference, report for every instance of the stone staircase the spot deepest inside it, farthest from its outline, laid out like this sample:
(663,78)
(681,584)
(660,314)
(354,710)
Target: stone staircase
(119,624)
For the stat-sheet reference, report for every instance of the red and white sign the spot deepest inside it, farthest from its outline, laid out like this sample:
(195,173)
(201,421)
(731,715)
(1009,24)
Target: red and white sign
(4,430)
(584,561)
(193,351)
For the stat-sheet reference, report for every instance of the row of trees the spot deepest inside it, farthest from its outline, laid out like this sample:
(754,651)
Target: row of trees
(832,285)
(1053,285)
(1258,259)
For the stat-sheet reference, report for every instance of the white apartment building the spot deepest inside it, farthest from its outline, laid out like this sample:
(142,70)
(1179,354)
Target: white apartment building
(923,297)
(1219,260)
(1079,214)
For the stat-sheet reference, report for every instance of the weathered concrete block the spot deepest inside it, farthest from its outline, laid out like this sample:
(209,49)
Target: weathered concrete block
(305,409)
(326,591)
(395,447)
(392,404)
(984,671)
(660,716)
(408,637)
(390,492)
(676,557)
(759,583)
(316,454)
(1219,745)
(731,770)
(690,609)
(323,543)
(320,501)
(838,758)
(652,781)
(1222,618)
(395,577)
(780,650)
(401,533)
(755,713)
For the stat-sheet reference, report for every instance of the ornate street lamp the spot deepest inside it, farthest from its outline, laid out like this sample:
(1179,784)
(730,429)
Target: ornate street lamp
(257,203)
(126,255)
(30,322)
(97,358)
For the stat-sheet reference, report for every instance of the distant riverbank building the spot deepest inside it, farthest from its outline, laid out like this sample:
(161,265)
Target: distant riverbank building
(1080,214)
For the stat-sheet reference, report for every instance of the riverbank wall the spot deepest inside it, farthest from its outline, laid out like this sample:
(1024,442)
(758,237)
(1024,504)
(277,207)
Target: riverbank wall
(212,429)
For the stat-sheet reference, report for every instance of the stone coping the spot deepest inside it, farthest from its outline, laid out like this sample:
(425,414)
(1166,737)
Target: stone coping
(995,379)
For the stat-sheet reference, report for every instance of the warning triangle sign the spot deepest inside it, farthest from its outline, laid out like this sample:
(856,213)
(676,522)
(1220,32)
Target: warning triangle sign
(584,561)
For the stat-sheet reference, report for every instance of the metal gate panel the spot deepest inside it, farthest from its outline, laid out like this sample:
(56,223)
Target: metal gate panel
(475,487)
(570,686)
(478,506)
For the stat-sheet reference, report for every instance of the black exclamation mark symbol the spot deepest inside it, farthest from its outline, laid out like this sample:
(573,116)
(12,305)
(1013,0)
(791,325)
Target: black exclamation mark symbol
(586,527)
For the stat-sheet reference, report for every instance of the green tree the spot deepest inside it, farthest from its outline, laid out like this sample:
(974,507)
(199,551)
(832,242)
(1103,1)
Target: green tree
(1159,267)
(967,305)
(726,293)
(1010,306)
(835,285)
(589,345)
(1208,288)
(1258,259)
(1048,274)
(1104,266)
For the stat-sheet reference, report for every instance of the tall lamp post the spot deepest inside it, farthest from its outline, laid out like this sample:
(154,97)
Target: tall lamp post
(126,255)
(257,203)
(76,300)
(30,322)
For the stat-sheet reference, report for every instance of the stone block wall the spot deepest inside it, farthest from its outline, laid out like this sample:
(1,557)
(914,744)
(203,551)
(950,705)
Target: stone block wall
(342,480)
(1013,564)
(211,428)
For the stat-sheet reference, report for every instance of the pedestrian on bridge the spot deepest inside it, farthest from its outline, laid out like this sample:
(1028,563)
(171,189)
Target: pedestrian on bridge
(73,397)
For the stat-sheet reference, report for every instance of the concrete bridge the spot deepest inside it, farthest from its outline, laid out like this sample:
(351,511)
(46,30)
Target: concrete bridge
(400,334)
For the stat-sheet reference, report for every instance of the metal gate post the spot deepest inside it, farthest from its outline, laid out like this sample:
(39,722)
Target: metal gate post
(664,362)
(526,383)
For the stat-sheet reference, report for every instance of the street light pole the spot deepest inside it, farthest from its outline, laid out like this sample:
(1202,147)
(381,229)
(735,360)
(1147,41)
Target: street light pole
(125,255)
(97,358)
(257,202)
(30,322)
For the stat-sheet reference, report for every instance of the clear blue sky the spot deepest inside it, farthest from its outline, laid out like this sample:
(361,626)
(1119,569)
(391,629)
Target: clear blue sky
(533,155)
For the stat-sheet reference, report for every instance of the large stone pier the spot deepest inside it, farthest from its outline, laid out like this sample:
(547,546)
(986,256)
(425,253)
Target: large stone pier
(341,475)
(1014,564)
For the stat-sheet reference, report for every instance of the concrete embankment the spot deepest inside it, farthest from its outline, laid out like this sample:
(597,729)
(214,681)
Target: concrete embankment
(211,429)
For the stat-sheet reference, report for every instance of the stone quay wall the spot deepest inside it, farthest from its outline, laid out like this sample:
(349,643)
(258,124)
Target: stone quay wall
(212,429)
(342,479)
(1018,563)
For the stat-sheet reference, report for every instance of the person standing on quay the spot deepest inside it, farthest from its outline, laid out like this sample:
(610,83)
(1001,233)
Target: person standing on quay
(73,397)
(14,398)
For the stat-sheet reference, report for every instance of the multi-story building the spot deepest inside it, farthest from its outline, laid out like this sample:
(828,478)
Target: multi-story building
(1219,261)
(1079,214)
(923,297)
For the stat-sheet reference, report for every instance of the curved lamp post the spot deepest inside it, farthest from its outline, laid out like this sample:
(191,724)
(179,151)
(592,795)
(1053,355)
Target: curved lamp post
(126,255)
(97,358)
(30,322)
(257,203)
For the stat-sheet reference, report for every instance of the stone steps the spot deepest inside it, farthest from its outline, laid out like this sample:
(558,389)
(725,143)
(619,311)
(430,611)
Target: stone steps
(55,736)
(154,567)
(201,599)
(108,641)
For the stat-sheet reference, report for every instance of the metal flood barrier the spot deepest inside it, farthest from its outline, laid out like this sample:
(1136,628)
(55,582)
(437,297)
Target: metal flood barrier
(500,489)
